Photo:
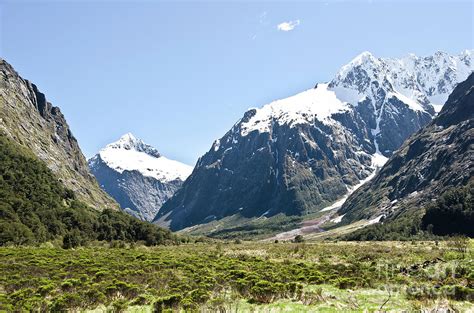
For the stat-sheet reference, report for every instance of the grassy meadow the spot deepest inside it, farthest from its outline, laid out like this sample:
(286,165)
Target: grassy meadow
(240,277)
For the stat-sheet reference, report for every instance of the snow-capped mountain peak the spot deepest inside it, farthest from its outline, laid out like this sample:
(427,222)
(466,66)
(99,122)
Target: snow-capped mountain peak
(423,83)
(132,154)
(365,63)
(388,85)
(130,142)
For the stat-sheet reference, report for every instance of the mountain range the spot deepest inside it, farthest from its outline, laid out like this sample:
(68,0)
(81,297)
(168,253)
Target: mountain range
(380,142)
(300,155)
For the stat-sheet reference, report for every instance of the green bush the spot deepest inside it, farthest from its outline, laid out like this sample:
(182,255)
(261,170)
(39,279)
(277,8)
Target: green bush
(169,302)
(298,239)
(72,239)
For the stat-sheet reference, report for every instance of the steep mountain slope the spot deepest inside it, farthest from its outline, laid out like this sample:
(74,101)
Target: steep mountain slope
(297,155)
(35,207)
(137,176)
(438,157)
(33,122)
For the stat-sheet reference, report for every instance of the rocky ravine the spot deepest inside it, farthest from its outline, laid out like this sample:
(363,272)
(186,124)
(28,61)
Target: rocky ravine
(137,176)
(300,154)
(29,119)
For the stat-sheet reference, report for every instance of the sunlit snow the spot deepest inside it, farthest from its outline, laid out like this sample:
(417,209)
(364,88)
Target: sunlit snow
(319,102)
(126,155)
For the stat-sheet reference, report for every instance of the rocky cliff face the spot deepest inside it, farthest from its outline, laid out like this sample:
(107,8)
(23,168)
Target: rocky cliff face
(300,154)
(438,157)
(30,120)
(137,176)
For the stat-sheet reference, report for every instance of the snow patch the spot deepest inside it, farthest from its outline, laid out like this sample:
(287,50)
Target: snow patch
(375,220)
(412,104)
(341,201)
(337,219)
(302,108)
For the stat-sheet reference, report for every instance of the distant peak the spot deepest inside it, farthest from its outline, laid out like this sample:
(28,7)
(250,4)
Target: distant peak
(364,57)
(361,69)
(129,142)
(128,137)
(439,53)
(467,52)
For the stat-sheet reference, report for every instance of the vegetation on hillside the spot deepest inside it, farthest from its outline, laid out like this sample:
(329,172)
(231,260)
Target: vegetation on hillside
(451,214)
(35,207)
(239,277)
(239,227)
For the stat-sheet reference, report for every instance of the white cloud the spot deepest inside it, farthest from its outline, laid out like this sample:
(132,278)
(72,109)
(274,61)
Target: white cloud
(288,26)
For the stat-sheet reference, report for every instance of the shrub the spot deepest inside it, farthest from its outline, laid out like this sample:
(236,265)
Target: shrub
(298,239)
(345,283)
(263,292)
(169,302)
(72,239)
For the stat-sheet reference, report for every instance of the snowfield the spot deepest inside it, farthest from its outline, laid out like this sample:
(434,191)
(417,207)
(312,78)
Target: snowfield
(132,154)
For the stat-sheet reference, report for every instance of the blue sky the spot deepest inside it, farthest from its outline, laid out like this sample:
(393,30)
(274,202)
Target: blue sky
(180,74)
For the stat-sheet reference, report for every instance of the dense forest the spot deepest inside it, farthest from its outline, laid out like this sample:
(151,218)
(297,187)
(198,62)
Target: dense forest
(35,208)
(452,213)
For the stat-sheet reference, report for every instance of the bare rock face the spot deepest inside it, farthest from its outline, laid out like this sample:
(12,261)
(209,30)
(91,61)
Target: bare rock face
(29,119)
(297,155)
(137,176)
(438,157)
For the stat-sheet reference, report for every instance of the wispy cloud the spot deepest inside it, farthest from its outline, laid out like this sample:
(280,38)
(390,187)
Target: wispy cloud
(288,26)
(263,18)
(262,23)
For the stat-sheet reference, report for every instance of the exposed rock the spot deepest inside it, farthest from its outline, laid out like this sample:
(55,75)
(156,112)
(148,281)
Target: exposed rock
(438,157)
(30,120)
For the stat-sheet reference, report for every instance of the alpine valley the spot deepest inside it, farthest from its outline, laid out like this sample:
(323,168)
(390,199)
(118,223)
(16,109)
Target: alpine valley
(298,158)
(352,192)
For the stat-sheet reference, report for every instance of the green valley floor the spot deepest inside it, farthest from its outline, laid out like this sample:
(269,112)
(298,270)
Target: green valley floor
(240,277)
